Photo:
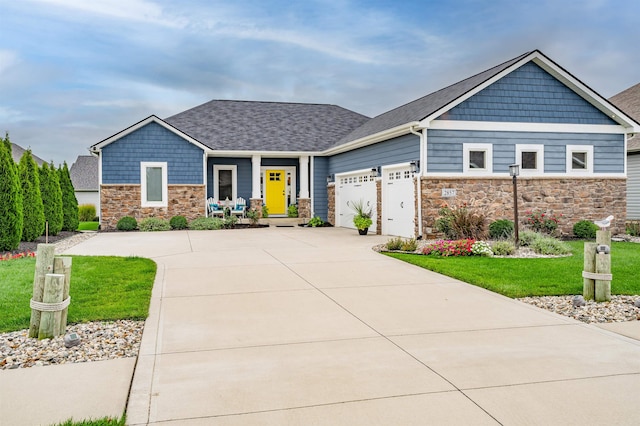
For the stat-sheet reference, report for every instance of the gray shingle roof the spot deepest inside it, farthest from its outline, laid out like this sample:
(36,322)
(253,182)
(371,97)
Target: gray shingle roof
(17,151)
(84,173)
(629,102)
(425,106)
(266,126)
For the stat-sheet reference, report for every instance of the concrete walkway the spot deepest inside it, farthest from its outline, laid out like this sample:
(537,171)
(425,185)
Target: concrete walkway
(296,326)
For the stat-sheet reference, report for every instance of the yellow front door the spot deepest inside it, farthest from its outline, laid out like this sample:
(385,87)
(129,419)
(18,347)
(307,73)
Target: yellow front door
(275,197)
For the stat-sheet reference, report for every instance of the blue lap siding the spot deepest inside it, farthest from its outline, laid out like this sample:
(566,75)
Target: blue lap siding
(528,94)
(121,159)
(320,201)
(445,152)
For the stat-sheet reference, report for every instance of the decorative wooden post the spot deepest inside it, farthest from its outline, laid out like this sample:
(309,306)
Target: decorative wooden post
(50,293)
(589,284)
(44,266)
(597,268)
(51,301)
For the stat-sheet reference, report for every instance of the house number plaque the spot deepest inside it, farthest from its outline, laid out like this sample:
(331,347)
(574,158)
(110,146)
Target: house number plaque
(449,192)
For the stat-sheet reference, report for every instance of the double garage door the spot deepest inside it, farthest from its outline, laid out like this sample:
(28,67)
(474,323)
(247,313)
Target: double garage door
(398,199)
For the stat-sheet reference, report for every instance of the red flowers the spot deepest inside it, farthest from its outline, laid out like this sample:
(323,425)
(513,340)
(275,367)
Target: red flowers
(11,256)
(450,248)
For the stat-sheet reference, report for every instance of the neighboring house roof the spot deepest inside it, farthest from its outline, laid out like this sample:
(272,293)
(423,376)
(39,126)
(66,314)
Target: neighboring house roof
(17,151)
(629,101)
(266,126)
(84,173)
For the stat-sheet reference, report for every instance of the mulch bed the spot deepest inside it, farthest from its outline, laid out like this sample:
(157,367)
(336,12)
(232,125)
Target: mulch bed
(32,246)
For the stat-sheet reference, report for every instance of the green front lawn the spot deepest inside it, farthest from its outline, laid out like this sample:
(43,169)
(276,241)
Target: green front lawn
(537,276)
(102,289)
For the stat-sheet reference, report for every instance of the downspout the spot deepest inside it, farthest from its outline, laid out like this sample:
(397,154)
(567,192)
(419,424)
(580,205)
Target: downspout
(418,178)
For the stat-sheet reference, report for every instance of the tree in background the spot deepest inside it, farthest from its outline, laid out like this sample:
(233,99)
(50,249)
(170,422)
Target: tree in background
(51,197)
(10,199)
(32,208)
(70,219)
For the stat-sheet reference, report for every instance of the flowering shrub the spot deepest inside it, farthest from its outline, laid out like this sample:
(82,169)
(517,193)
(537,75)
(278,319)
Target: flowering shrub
(481,248)
(449,248)
(10,256)
(542,222)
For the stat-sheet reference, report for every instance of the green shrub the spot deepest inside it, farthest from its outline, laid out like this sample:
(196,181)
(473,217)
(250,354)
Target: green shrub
(230,221)
(149,224)
(501,229)
(178,222)
(51,198)
(410,244)
(633,229)
(10,199)
(542,222)
(265,211)
(315,221)
(460,223)
(69,201)
(550,246)
(527,238)
(87,213)
(253,215)
(127,223)
(32,207)
(206,223)
(292,211)
(394,243)
(503,248)
(585,229)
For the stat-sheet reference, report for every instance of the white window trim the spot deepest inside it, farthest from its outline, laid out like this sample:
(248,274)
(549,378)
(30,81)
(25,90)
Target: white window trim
(588,149)
(234,180)
(539,150)
(143,184)
(488,148)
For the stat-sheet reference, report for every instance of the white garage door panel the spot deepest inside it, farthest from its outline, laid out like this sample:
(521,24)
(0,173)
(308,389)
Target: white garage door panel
(354,188)
(398,202)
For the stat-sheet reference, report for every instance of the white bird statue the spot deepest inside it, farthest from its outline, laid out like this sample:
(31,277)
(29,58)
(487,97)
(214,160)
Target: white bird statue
(604,223)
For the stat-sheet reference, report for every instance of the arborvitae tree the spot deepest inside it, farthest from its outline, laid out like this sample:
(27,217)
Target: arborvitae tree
(51,197)
(10,199)
(70,219)
(32,208)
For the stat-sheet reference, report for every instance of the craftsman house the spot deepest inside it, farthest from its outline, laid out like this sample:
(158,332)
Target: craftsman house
(452,146)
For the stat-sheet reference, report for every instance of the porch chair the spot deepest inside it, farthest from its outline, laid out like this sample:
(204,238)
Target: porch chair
(214,208)
(239,207)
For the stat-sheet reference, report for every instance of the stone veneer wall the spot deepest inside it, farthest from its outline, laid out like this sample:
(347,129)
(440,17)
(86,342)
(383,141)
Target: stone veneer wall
(331,203)
(117,201)
(256,203)
(378,217)
(575,198)
(304,208)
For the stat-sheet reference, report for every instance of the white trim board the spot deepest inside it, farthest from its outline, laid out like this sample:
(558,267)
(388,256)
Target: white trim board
(525,127)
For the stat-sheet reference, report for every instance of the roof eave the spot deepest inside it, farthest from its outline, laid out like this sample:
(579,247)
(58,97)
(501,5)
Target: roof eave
(401,130)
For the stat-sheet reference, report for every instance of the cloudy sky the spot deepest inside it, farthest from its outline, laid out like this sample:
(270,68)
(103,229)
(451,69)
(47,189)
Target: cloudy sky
(73,72)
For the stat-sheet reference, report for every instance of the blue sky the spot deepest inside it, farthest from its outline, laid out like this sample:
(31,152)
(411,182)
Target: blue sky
(73,72)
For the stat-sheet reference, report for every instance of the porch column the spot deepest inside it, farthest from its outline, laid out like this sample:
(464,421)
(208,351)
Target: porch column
(255,176)
(304,176)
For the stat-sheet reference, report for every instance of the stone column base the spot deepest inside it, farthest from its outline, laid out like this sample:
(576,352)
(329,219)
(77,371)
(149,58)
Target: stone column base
(256,203)
(304,208)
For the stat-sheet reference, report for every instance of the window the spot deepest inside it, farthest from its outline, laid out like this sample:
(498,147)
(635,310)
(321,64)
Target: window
(478,158)
(153,183)
(579,159)
(225,182)
(530,158)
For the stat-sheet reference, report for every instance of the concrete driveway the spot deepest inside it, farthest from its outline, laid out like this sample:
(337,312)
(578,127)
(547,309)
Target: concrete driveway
(288,326)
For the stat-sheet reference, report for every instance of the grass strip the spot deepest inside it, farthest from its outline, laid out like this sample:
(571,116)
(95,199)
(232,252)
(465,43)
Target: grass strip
(521,277)
(103,288)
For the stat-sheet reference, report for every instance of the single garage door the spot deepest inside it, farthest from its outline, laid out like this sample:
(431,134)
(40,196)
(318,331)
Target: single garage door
(355,187)
(398,201)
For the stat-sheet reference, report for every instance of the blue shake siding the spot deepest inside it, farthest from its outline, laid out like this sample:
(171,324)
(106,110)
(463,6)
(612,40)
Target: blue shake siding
(398,150)
(445,149)
(320,200)
(528,94)
(121,159)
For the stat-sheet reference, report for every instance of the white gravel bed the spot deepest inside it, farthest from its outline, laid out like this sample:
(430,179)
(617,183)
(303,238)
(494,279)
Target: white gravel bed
(619,309)
(98,341)
(67,243)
